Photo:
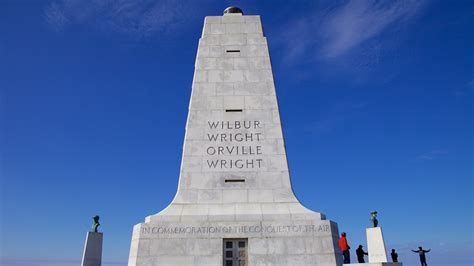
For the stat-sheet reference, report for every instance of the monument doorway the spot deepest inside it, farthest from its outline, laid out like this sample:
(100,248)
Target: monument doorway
(235,251)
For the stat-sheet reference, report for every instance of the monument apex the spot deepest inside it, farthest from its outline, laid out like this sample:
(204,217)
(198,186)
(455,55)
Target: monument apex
(233,9)
(234,204)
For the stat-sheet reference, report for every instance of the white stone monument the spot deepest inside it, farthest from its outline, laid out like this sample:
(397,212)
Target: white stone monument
(234,204)
(92,255)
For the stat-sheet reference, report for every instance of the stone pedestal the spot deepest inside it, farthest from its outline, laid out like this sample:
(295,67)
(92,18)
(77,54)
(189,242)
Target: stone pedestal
(92,249)
(376,245)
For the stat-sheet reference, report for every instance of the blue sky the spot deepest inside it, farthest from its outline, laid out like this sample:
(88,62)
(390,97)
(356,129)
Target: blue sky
(376,100)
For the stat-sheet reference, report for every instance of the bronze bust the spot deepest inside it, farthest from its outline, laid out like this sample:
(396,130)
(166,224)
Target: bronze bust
(96,223)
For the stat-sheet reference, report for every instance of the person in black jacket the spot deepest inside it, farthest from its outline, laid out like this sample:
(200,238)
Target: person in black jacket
(422,252)
(360,254)
(394,256)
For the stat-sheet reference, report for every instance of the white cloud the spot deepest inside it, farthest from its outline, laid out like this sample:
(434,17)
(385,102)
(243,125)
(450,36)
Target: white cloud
(55,16)
(359,21)
(431,155)
(135,17)
(336,30)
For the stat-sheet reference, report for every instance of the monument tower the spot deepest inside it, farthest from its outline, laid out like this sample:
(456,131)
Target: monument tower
(234,204)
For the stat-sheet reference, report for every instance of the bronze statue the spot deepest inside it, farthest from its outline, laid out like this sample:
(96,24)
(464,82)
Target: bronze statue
(96,223)
(373,218)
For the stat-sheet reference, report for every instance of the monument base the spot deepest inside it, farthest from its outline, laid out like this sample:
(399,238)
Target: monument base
(92,249)
(199,240)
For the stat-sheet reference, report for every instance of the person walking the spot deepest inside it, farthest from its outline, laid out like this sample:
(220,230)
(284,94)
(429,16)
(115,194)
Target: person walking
(394,255)
(422,253)
(360,254)
(345,248)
